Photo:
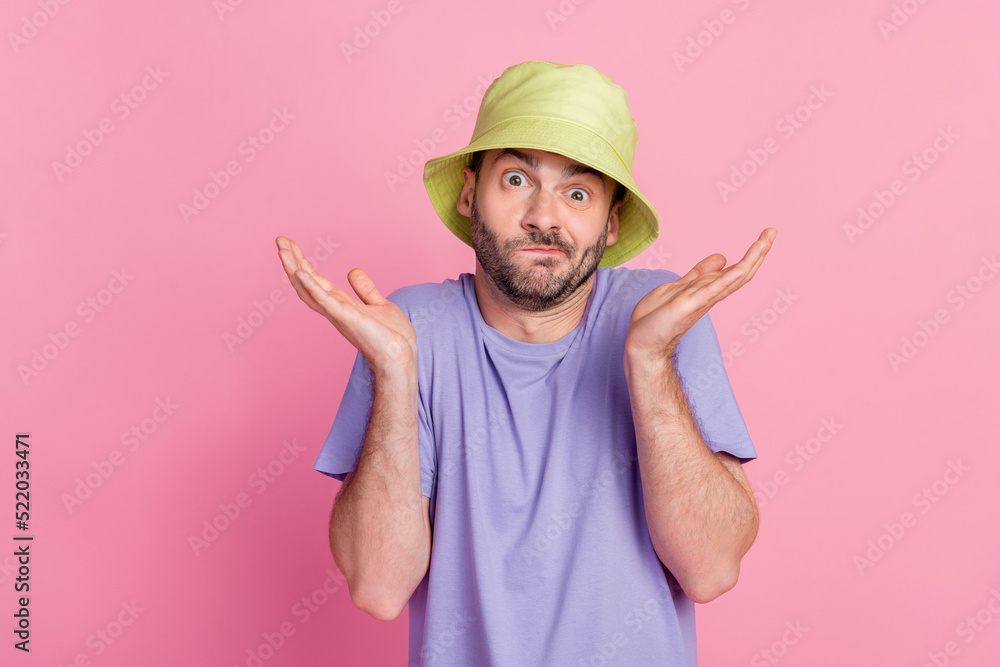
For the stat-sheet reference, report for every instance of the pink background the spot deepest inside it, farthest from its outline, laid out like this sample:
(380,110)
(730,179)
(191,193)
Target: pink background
(165,331)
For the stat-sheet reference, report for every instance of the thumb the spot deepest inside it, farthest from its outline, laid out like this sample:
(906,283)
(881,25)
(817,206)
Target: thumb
(364,287)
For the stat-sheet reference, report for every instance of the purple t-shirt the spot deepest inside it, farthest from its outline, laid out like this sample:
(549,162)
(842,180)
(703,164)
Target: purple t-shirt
(540,550)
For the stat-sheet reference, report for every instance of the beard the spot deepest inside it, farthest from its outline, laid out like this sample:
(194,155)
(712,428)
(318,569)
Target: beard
(535,287)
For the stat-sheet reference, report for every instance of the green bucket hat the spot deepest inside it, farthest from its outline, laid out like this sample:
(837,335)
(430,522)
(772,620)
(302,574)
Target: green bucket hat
(573,110)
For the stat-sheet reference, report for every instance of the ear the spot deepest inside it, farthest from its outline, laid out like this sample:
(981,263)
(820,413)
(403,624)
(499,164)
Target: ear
(613,225)
(464,204)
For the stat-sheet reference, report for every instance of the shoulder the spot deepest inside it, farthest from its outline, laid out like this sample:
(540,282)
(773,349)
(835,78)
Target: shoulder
(424,295)
(428,305)
(624,283)
(624,273)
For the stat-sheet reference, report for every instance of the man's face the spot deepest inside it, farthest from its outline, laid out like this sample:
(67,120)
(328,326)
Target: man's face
(540,223)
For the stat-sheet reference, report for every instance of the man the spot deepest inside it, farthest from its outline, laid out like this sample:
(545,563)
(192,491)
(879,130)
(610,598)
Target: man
(521,463)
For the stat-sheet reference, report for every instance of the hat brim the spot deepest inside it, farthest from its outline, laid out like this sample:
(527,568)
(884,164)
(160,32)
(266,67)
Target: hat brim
(639,225)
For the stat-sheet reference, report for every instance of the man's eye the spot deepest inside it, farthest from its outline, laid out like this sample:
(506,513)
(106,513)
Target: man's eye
(578,194)
(514,178)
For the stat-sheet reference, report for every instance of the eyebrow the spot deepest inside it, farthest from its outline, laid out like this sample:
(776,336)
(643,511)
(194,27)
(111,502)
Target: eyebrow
(568,172)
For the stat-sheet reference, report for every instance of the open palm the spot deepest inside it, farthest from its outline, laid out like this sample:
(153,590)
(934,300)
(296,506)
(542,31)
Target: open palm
(377,327)
(669,310)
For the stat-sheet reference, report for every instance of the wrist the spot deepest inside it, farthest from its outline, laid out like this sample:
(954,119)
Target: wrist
(638,359)
(399,374)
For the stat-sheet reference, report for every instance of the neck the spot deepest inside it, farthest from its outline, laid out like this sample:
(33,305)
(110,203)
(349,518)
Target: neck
(530,326)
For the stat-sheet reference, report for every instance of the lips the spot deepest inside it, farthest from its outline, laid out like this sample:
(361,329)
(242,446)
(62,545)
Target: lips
(544,251)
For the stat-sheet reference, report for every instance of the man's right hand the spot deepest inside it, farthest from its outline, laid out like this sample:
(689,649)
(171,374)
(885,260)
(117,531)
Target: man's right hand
(377,327)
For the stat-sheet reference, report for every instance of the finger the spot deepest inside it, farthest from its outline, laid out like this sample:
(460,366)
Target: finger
(286,252)
(290,264)
(767,236)
(755,254)
(307,265)
(288,244)
(757,263)
(317,276)
(332,304)
(714,288)
(364,287)
(713,262)
(301,259)
(716,262)
(304,294)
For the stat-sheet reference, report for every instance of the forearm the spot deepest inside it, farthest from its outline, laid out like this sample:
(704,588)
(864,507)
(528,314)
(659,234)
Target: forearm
(701,519)
(378,532)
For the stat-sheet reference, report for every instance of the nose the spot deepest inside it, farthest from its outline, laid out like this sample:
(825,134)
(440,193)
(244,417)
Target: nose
(542,214)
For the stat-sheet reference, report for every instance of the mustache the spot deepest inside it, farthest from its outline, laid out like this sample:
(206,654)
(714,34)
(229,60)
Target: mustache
(548,241)
(541,241)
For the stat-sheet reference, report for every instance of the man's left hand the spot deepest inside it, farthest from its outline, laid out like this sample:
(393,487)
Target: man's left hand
(668,311)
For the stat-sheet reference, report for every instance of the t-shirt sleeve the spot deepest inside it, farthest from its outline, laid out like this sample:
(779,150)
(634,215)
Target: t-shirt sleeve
(340,452)
(703,376)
